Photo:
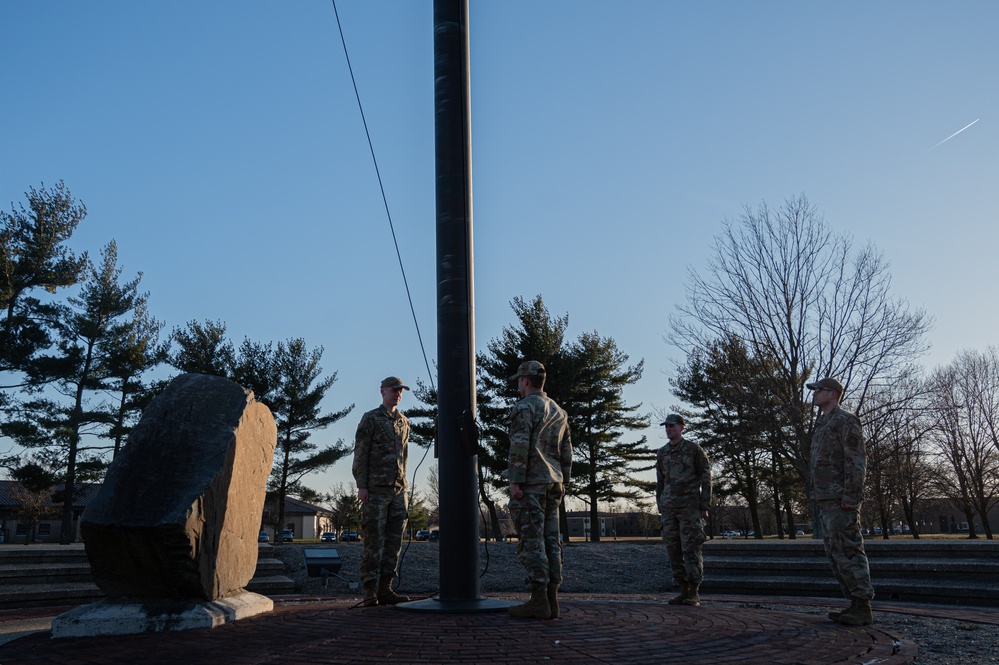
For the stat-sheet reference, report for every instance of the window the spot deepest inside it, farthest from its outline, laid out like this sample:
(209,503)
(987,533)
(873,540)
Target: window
(45,529)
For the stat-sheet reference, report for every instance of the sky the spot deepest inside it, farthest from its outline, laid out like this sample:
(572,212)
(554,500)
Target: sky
(220,145)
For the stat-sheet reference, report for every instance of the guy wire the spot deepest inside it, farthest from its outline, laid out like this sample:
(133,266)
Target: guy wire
(395,242)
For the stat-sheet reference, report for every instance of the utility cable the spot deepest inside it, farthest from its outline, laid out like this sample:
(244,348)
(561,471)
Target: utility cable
(381,187)
(395,241)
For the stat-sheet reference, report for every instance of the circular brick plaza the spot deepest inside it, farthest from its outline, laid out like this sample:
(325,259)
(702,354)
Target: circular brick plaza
(590,631)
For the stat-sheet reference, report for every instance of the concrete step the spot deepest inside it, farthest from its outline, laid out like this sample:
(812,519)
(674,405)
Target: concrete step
(35,554)
(980,570)
(269,567)
(909,549)
(45,573)
(271,585)
(900,589)
(47,595)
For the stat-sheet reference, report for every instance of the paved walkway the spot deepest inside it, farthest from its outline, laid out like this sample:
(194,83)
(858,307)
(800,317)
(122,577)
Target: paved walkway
(591,630)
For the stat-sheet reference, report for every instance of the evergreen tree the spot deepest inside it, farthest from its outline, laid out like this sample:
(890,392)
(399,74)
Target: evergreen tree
(536,336)
(295,402)
(422,433)
(345,507)
(288,381)
(203,349)
(733,419)
(604,464)
(33,255)
(134,350)
(87,329)
(586,378)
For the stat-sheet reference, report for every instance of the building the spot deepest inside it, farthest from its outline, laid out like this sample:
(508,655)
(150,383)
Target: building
(14,525)
(302,518)
(613,524)
(305,520)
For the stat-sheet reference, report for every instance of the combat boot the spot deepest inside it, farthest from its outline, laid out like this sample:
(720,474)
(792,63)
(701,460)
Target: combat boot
(553,600)
(370,594)
(835,614)
(692,597)
(678,600)
(536,608)
(859,614)
(386,596)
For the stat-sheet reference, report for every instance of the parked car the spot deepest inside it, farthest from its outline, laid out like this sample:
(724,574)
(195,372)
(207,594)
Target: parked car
(263,537)
(423,534)
(327,537)
(346,536)
(731,534)
(288,535)
(435,535)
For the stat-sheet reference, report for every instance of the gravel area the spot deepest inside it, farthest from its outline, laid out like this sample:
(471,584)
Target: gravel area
(639,569)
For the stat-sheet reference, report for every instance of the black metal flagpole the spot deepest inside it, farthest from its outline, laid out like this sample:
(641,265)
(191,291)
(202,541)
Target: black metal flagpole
(457,439)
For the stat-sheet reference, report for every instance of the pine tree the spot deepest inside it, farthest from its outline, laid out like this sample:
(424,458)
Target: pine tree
(203,349)
(604,464)
(586,378)
(536,336)
(55,426)
(295,402)
(33,256)
(130,353)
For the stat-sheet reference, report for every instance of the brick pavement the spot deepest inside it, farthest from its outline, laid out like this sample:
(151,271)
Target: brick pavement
(592,630)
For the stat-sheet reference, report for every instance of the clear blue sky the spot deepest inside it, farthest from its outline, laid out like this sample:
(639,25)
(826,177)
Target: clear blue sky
(219,143)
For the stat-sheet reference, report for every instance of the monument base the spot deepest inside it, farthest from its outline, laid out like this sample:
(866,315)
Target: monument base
(131,616)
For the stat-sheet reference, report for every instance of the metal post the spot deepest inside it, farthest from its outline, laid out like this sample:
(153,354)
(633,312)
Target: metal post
(456,440)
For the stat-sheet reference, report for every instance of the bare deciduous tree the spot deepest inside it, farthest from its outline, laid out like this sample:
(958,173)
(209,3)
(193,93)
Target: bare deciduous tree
(897,466)
(793,290)
(966,406)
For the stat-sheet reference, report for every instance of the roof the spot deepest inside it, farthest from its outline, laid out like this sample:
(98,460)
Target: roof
(296,507)
(85,493)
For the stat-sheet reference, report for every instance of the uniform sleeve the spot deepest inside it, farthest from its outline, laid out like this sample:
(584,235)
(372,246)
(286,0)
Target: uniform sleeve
(520,443)
(362,453)
(565,454)
(854,463)
(405,447)
(660,481)
(704,476)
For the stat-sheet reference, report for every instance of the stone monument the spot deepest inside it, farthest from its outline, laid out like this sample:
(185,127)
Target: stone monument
(172,534)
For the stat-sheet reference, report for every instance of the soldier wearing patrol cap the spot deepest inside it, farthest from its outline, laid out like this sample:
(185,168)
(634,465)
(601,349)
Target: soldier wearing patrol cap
(538,469)
(683,494)
(838,464)
(381,447)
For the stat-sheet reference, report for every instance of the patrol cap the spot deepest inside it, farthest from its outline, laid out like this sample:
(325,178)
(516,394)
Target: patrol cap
(828,383)
(529,368)
(674,419)
(393,382)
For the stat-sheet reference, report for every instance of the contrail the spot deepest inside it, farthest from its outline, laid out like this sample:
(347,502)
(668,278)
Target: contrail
(956,133)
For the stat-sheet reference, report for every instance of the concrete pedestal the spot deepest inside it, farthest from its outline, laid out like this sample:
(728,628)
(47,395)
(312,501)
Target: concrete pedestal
(129,617)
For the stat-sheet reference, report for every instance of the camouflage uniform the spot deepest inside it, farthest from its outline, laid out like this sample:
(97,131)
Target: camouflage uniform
(838,464)
(683,490)
(380,451)
(540,461)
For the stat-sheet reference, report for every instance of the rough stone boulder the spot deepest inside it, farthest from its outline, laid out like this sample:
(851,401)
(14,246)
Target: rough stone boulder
(179,512)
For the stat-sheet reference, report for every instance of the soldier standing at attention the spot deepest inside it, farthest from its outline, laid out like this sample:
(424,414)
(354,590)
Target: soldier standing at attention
(683,493)
(539,466)
(838,464)
(380,451)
